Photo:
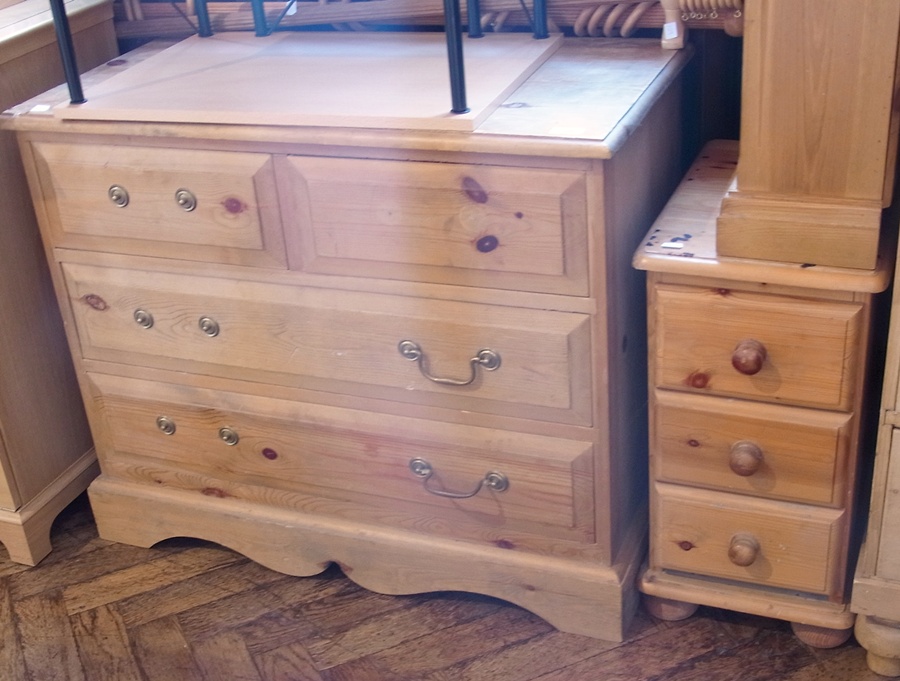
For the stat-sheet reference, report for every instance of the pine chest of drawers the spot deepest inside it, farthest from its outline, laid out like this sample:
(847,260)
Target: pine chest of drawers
(757,380)
(419,355)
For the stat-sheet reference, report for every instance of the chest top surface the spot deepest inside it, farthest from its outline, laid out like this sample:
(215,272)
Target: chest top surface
(578,97)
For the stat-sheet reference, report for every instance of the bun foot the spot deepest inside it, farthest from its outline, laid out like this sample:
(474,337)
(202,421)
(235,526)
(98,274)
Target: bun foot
(667,609)
(820,637)
(881,639)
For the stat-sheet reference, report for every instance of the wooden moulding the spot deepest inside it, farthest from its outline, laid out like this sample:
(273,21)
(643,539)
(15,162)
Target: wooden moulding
(792,606)
(800,229)
(588,599)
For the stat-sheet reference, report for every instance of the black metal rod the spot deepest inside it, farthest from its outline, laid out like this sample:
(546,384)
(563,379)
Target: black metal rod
(204,28)
(259,18)
(452,23)
(540,19)
(473,10)
(67,51)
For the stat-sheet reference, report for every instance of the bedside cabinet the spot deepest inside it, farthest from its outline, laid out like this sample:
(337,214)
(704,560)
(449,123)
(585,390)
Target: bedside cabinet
(46,453)
(757,372)
(412,353)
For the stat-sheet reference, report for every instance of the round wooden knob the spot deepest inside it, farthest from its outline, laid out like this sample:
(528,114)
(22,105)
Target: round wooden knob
(749,356)
(745,458)
(743,550)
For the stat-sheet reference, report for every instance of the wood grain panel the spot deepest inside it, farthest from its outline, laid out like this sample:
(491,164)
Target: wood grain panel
(355,456)
(800,546)
(810,345)
(518,228)
(338,340)
(804,452)
(235,219)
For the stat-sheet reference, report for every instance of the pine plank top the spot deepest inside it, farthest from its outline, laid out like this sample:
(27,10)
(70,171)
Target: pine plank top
(582,102)
(373,80)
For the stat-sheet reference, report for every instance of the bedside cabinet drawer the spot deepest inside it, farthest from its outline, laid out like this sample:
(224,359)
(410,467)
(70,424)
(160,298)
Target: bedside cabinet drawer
(472,225)
(765,450)
(776,544)
(757,346)
(213,206)
(491,359)
(247,446)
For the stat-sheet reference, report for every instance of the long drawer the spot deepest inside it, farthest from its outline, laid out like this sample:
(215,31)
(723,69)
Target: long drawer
(770,451)
(472,225)
(251,445)
(763,347)
(777,544)
(492,359)
(211,206)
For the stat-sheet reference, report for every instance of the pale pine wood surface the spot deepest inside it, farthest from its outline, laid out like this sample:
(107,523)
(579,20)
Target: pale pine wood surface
(802,449)
(797,542)
(388,81)
(343,341)
(190,610)
(810,364)
(541,377)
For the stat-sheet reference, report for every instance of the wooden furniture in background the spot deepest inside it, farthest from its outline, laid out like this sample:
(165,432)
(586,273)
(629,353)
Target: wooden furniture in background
(818,132)
(876,587)
(46,455)
(310,343)
(757,373)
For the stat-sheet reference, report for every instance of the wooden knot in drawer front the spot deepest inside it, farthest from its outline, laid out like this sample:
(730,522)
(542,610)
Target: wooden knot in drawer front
(697,379)
(234,205)
(474,191)
(94,301)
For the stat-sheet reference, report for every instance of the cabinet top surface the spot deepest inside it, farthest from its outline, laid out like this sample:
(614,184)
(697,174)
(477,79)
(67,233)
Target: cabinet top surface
(578,97)
(682,241)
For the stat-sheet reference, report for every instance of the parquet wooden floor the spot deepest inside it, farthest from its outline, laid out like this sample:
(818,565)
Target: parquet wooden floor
(188,610)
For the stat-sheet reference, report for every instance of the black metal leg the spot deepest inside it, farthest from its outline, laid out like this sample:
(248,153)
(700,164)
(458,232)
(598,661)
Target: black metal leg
(259,18)
(67,51)
(204,29)
(452,22)
(540,19)
(473,10)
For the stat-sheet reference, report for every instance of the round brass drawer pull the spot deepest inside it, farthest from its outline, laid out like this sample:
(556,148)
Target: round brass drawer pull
(209,326)
(166,425)
(749,356)
(487,359)
(186,199)
(492,480)
(229,436)
(143,318)
(118,195)
(745,458)
(744,549)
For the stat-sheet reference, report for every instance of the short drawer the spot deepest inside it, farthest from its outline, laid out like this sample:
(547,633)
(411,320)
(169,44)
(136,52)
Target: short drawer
(771,543)
(282,452)
(762,347)
(471,225)
(491,359)
(766,450)
(215,206)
